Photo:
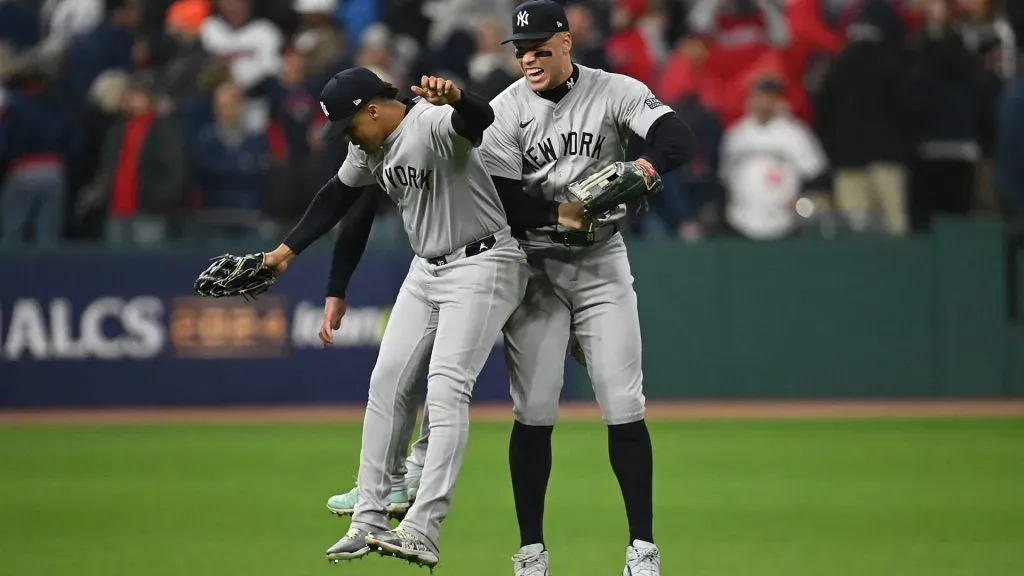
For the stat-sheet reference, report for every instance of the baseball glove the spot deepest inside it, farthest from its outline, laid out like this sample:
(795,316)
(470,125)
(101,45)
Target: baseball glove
(614,185)
(229,275)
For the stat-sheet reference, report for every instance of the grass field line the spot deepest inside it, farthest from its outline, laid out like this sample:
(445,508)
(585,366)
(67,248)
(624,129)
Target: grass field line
(573,411)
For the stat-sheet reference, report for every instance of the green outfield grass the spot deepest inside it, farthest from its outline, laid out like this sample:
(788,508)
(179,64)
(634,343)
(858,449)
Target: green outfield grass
(928,498)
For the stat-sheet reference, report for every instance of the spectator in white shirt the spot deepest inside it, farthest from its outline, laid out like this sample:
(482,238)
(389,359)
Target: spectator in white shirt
(252,47)
(769,160)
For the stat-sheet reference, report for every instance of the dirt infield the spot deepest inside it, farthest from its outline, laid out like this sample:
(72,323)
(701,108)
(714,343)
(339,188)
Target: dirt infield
(682,410)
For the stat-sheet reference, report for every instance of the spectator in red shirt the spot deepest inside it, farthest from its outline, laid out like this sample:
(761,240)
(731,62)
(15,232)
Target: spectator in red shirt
(687,72)
(745,40)
(141,178)
(627,50)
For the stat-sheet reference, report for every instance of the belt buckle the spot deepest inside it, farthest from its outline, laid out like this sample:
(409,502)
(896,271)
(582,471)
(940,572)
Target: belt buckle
(439,261)
(591,235)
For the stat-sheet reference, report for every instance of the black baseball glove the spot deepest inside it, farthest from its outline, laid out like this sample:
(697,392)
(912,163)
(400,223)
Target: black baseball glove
(229,275)
(614,185)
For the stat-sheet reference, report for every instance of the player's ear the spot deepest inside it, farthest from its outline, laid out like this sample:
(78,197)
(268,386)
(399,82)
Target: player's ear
(567,42)
(373,111)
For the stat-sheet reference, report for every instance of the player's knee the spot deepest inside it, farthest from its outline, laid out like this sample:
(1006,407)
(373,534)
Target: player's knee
(536,413)
(623,408)
(635,431)
(451,385)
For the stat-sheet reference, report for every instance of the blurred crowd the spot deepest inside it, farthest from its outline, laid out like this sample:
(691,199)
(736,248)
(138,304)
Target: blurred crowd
(138,122)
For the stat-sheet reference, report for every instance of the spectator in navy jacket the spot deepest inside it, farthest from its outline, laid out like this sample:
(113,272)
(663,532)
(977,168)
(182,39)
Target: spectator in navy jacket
(230,159)
(19,24)
(110,45)
(946,87)
(1009,152)
(39,145)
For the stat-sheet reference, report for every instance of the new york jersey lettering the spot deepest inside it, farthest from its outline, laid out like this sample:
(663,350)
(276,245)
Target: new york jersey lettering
(550,149)
(409,177)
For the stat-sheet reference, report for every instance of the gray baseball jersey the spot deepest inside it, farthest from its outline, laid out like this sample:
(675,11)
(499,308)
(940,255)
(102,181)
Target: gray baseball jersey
(548,145)
(585,289)
(468,277)
(443,193)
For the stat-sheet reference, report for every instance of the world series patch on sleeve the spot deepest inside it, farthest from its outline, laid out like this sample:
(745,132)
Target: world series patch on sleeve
(614,185)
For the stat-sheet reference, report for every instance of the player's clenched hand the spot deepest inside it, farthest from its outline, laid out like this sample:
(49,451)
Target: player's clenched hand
(570,216)
(334,311)
(278,259)
(437,91)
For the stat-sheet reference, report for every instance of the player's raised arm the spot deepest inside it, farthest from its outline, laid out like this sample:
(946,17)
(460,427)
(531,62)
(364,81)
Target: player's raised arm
(670,143)
(463,114)
(469,116)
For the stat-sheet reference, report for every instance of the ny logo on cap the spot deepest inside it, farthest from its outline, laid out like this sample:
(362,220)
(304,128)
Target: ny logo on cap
(324,106)
(523,18)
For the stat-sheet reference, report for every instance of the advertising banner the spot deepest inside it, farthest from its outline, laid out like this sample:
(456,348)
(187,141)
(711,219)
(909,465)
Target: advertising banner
(98,329)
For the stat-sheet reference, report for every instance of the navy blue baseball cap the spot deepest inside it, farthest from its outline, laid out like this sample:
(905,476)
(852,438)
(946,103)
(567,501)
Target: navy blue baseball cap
(536,21)
(344,96)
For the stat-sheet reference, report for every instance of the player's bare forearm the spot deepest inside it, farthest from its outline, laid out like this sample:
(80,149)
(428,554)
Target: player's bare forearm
(279,257)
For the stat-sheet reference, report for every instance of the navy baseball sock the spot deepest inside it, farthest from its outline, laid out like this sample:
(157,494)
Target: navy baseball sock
(529,462)
(629,449)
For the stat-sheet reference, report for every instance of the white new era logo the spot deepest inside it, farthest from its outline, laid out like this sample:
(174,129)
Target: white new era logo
(357,101)
(559,24)
(523,18)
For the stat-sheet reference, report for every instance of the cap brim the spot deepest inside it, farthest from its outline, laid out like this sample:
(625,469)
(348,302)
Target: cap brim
(534,37)
(335,129)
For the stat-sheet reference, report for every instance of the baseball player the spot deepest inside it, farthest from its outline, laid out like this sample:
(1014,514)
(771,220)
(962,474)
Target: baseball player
(553,127)
(468,275)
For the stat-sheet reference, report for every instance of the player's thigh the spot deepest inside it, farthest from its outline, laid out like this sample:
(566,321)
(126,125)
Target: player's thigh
(607,325)
(536,339)
(476,300)
(407,341)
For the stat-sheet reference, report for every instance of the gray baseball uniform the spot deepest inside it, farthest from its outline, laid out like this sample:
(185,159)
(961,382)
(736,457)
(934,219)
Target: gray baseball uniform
(586,289)
(467,278)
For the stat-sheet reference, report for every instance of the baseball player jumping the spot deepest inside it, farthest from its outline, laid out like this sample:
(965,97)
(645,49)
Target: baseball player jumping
(553,127)
(556,126)
(468,276)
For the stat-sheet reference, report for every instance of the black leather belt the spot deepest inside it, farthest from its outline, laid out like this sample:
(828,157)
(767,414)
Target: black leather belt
(584,237)
(471,249)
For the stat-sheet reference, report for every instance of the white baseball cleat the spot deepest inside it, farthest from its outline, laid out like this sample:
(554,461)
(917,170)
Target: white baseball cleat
(403,544)
(531,560)
(351,546)
(642,559)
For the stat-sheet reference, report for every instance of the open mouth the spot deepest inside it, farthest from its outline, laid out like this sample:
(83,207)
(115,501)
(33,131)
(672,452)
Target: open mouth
(534,73)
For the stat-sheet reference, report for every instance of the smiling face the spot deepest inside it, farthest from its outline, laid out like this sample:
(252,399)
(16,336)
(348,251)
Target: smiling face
(546,64)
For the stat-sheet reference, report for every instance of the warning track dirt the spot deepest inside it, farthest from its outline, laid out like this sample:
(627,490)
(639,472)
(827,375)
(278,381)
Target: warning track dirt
(682,410)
